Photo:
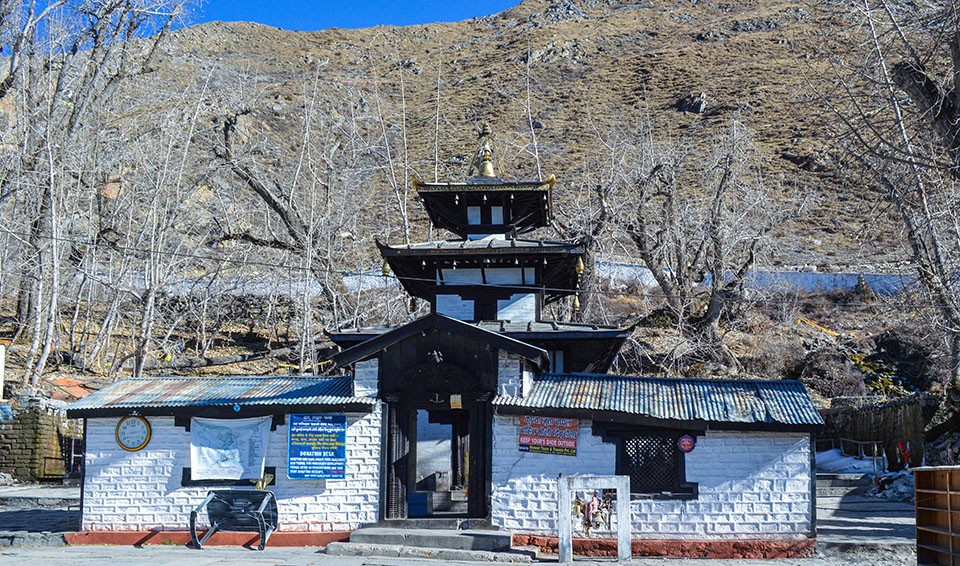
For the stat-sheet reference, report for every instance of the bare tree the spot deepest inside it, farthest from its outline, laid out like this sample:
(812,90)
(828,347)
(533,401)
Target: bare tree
(63,61)
(698,222)
(899,103)
(308,213)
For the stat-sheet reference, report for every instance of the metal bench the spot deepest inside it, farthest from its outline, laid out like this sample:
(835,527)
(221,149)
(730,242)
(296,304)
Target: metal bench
(237,510)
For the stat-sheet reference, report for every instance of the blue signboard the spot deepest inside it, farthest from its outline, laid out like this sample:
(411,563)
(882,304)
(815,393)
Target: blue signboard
(317,447)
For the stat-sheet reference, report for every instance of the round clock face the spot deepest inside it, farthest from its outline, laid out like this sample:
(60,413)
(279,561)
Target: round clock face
(133,433)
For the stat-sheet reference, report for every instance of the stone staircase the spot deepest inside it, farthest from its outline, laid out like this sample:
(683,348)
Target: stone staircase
(439,543)
(840,485)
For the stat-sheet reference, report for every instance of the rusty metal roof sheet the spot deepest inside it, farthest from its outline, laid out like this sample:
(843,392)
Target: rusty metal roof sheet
(709,400)
(218,391)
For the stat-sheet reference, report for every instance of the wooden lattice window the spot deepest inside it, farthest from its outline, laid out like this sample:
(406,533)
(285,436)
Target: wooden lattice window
(654,463)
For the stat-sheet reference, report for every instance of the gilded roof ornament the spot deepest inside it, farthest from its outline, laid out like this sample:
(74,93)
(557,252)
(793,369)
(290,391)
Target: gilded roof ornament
(482,164)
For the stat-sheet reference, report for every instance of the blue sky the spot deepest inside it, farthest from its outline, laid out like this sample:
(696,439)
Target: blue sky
(304,15)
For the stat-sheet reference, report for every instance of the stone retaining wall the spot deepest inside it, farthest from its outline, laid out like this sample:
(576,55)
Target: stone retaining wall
(31,443)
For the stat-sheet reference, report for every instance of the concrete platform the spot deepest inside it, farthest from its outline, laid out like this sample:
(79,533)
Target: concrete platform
(38,496)
(858,521)
(435,553)
(434,538)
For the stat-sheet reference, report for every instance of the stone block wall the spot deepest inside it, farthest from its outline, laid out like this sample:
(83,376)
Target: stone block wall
(751,485)
(366,378)
(30,444)
(139,491)
(509,374)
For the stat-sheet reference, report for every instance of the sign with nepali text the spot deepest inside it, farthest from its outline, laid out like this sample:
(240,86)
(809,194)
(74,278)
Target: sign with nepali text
(317,447)
(548,435)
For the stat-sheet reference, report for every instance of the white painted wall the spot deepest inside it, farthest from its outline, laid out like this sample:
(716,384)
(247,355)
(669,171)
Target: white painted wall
(752,485)
(521,307)
(509,375)
(494,276)
(366,378)
(138,491)
(455,307)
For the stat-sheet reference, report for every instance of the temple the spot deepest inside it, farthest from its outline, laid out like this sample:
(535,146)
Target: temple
(487,290)
(470,415)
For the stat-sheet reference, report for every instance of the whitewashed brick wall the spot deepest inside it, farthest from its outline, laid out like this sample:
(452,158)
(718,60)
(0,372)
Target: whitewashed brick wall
(751,485)
(137,491)
(524,485)
(509,374)
(455,307)
(366,378)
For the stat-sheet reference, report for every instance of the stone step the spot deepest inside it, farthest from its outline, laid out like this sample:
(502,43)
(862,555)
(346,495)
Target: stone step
(434,523)
(433,538)
(843,480)
(839,491)
(438,553)
(840,485)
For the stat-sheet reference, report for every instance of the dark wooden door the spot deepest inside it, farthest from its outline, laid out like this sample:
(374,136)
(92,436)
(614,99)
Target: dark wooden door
(447,390)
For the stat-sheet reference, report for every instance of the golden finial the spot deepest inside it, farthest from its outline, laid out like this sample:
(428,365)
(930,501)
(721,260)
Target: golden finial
(580,267)
(576,303)
(486,162)
(482,164)
(385,269)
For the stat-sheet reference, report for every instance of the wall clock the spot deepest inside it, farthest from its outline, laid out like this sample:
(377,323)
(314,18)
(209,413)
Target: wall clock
(133,433)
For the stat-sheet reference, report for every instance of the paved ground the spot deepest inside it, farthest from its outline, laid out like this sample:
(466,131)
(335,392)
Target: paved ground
(852,531)
(855,519)
(162,555)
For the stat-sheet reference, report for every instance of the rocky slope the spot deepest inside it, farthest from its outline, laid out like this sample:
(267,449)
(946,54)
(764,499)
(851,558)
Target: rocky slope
(574,74)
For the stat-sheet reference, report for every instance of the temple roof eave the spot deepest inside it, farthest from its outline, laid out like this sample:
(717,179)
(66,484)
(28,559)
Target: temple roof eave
(483,184)
(481,247)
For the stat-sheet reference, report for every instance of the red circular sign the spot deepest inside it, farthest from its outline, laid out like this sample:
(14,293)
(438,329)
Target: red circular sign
(686,443)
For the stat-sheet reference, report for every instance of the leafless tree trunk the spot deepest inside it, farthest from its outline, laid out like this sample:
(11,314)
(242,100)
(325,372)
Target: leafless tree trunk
(698,223)
(901,109)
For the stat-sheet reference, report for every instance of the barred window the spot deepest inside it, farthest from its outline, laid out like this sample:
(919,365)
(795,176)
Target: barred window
(654,463)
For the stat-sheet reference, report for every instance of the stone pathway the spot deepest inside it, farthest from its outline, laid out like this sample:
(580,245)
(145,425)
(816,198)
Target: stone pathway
(858,520)
(27,510)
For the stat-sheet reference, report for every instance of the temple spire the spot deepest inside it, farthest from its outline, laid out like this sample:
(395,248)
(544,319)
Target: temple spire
(482,164)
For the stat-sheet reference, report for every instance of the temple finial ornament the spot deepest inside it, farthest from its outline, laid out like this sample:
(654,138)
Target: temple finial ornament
(482,164)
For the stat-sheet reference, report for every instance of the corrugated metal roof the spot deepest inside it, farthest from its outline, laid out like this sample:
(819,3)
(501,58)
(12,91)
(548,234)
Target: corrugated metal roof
(214,391)
(711,400)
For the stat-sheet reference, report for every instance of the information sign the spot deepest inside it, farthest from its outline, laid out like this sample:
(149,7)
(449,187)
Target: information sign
(548,435)
(317,447)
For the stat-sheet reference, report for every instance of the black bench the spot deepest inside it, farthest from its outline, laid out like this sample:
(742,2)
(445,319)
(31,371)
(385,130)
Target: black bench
(242,510)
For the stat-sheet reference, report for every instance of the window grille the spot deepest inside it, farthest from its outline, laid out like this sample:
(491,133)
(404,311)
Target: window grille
(651,462)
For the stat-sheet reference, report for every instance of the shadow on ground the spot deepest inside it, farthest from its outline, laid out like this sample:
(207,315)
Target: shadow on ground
(38,520)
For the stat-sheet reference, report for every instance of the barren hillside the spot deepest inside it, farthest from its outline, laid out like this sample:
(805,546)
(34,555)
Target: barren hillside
(573,74)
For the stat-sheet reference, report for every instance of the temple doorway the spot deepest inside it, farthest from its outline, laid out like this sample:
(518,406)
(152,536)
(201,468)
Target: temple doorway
(437,446)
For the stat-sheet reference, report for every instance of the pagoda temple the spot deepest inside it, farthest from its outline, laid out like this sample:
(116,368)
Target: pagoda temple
(481,413)
(487,287)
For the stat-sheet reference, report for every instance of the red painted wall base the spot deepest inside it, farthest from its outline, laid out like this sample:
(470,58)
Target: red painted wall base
(679,548)
(222,538)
